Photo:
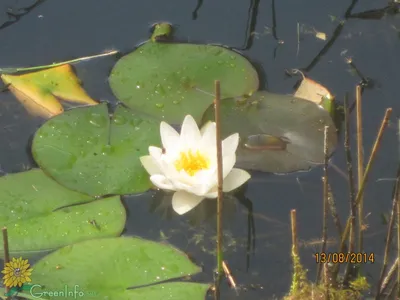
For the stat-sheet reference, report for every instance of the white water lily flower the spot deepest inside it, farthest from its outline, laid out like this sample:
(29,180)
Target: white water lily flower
(187,164)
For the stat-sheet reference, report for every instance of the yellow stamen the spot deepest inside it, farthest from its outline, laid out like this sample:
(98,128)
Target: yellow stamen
(192,162)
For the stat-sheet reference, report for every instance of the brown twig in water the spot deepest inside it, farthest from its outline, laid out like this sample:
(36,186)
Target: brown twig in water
(325,204)
(326,281)
(398,218)
(293,219)
(220,176)
(391,294)
(360,167)
(367,169)
(299,279)
(349,163)
(389,233)
(229,276)
(390,275)
(335,215)
(6,253)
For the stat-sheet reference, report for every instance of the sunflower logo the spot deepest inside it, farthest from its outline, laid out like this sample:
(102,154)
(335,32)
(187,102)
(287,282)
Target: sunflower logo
(16,272)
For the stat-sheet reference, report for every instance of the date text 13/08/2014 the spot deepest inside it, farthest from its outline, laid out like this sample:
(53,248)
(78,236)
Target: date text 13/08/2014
(341,257)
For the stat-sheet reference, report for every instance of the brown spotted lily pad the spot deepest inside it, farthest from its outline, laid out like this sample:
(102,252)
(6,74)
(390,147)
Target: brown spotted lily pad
(278,133)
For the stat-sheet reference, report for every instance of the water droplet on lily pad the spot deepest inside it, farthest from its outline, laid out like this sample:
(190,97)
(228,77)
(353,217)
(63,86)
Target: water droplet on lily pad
(89,155)
(97,120)
(119,120)
(172,68)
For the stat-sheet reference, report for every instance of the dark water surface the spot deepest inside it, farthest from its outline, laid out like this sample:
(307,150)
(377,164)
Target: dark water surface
(58,30)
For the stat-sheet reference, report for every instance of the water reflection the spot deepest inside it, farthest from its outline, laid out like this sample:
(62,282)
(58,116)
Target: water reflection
(14,14)
(206,211)
(198,6)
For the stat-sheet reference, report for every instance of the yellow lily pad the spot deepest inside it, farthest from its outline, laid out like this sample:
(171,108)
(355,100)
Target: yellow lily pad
(38,91)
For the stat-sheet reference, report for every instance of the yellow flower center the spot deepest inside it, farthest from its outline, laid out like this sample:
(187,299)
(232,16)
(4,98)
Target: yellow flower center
(192,162)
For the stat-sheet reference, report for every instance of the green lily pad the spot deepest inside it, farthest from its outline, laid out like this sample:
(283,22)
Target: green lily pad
(38,214)
(86,152)
(278,133)
(171,80)
(106,268)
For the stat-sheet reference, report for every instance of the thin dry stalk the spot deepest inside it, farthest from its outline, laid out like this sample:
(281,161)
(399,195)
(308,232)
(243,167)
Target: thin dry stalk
(392,292)
(326,281)
(293,220)
(229,276)
(6,253)
(72,61)
(349,163)
(398,249)
(325,203)
(332,207)
(389,277)
(360,167)
(220,176)
(389,233)
(367,169)
(398,219)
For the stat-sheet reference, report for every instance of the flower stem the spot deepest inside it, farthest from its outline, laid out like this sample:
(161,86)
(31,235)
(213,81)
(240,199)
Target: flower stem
(220,177)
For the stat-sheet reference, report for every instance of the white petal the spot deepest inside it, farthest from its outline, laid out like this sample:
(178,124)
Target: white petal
(206,127)
(155,152)
(150,165)
(169,136)
(227,164)
(161,182)
(204,181)
(190,133)
(230,144)
(182,202)
(208,140)
(168,169)
(212,193)
(235,178)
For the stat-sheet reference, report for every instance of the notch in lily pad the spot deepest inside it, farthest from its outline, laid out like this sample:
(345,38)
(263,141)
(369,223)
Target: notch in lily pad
(171,80)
